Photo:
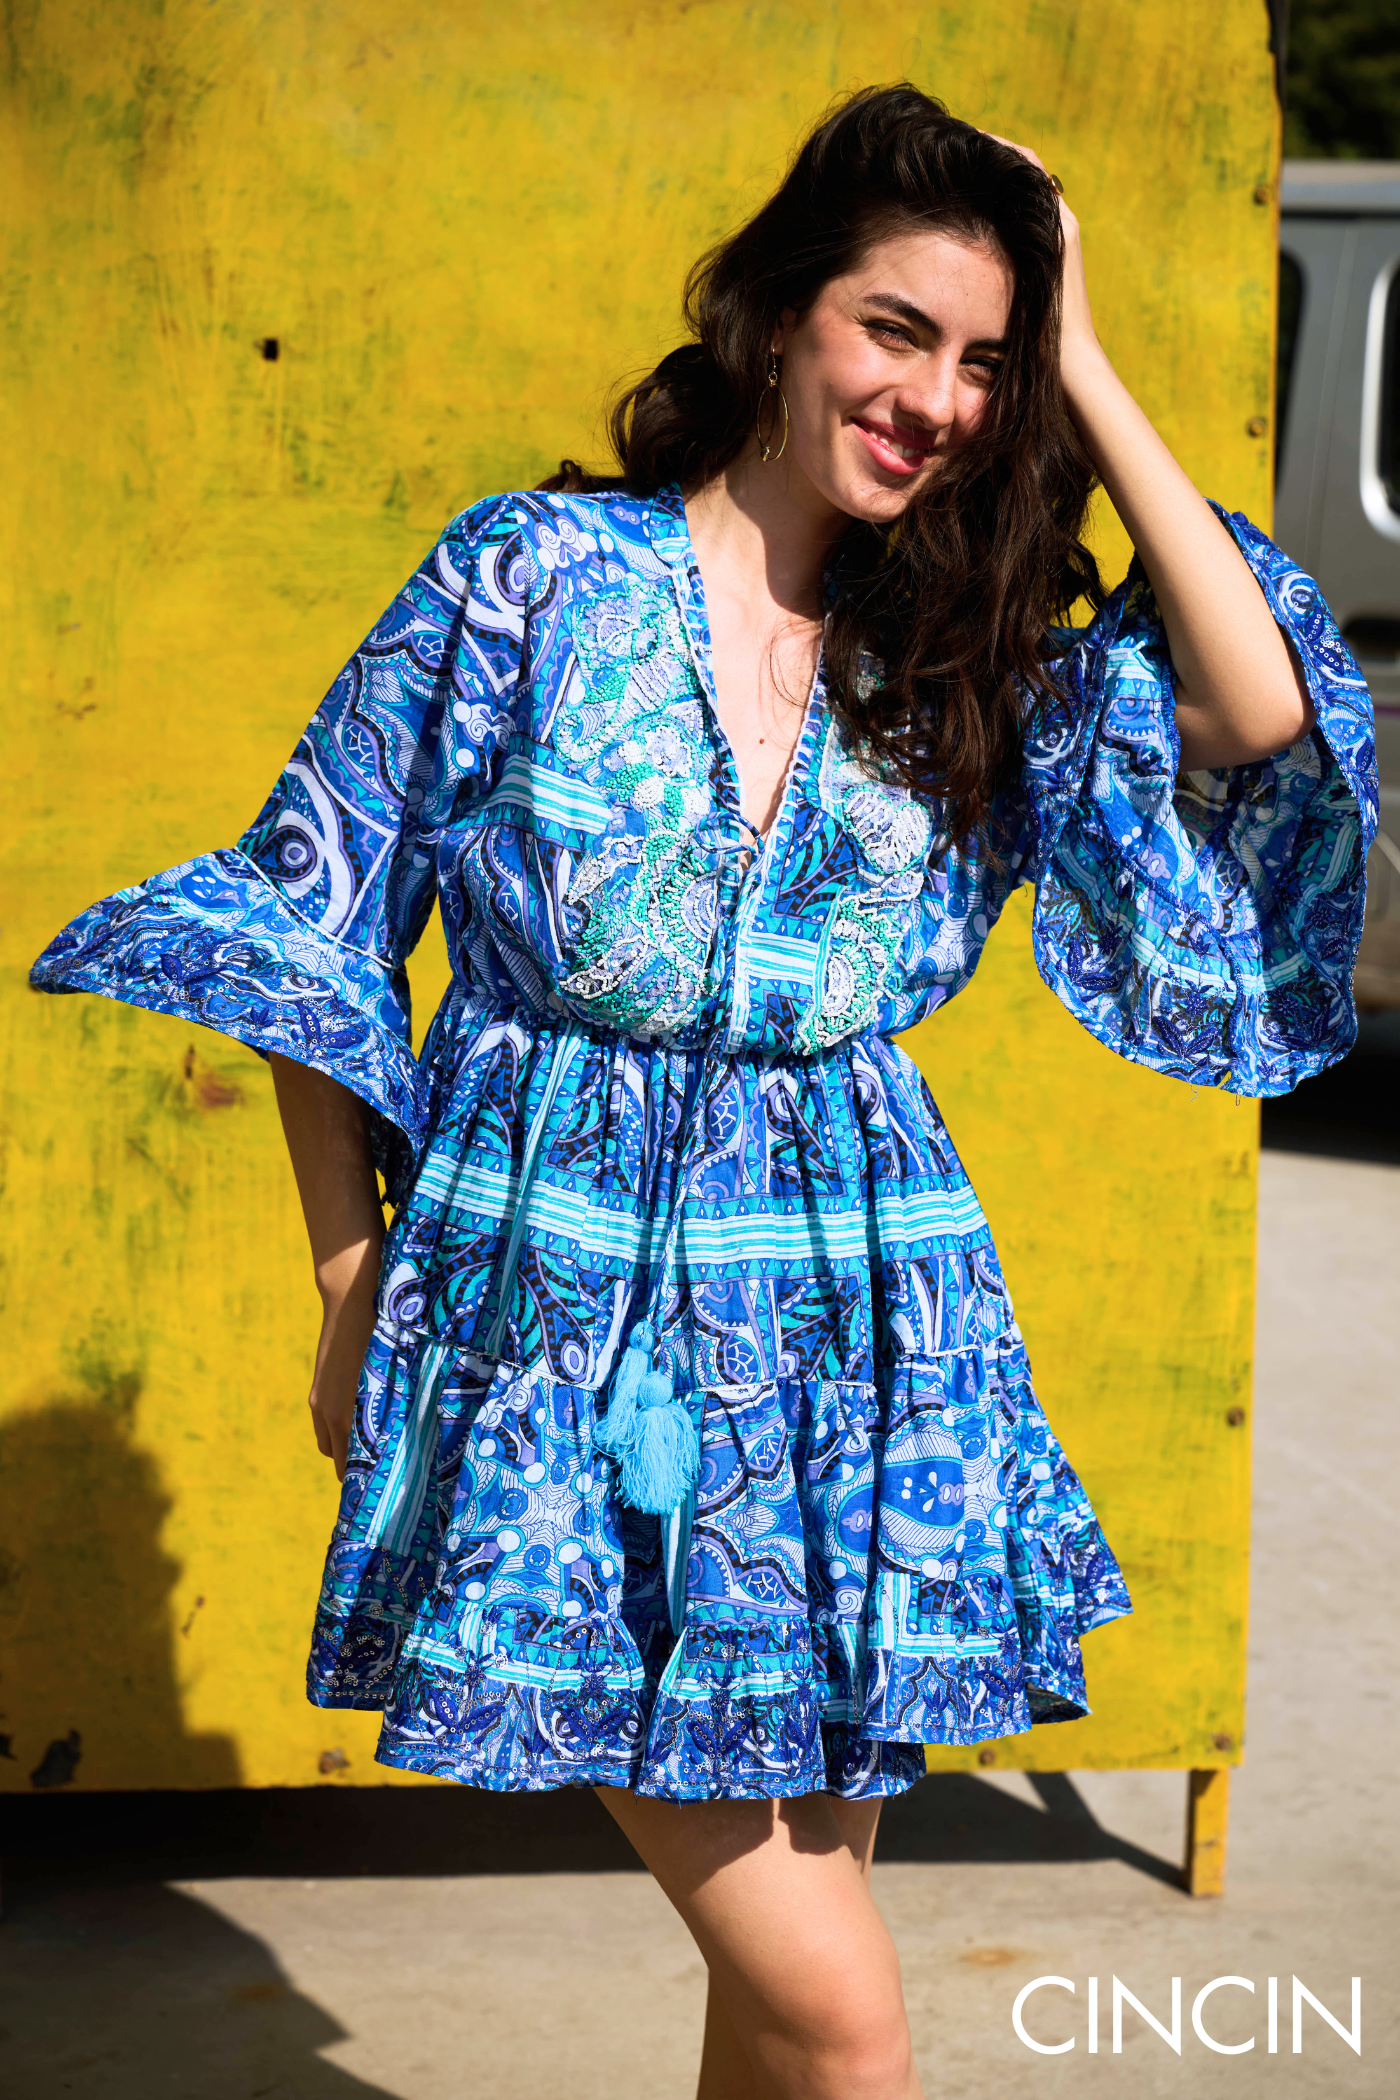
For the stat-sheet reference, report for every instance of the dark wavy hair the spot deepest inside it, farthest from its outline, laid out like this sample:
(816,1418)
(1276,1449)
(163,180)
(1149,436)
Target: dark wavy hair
(939,630)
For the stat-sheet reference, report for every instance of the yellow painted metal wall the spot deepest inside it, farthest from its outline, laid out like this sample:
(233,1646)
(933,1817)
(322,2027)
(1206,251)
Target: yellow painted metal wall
(461,224)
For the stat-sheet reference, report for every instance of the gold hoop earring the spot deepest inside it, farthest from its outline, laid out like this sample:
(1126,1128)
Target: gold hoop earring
(765,444)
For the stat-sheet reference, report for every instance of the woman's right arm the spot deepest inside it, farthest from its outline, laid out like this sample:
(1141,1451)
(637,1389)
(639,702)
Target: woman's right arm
(327,1130)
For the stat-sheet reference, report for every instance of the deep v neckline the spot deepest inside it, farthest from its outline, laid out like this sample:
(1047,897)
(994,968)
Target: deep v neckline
(678,548)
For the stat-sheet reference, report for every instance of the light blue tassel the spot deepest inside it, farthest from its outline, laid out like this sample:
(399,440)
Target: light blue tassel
(663,1460)
(649,1432)
(614,1434)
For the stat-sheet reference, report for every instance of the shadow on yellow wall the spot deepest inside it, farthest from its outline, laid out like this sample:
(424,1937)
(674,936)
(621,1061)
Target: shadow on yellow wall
(87,1587)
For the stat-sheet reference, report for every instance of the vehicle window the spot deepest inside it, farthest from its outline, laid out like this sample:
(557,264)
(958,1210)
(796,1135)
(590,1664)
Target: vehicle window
(1290,313)
(1388,464)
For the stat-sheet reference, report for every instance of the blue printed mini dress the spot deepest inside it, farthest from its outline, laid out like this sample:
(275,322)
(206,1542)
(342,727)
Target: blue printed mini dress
(662,1099)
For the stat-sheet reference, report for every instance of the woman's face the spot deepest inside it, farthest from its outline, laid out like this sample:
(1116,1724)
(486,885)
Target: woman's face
(889,369)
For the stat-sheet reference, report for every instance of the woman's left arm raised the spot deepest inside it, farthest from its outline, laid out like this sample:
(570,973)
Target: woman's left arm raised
(1239,692)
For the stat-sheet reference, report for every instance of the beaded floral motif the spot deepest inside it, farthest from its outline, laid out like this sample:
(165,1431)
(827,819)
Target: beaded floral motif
(873,918)
(640,902)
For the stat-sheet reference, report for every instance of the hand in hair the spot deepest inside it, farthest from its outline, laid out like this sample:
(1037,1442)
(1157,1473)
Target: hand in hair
(1077,331)
(1239,692)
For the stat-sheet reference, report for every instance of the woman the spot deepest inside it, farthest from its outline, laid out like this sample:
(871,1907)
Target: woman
(694,1454)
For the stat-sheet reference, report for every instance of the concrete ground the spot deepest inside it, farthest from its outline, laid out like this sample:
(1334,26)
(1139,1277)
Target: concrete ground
(445,1985)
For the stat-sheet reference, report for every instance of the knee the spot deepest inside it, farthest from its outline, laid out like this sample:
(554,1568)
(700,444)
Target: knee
(856,2046)
(872,2065)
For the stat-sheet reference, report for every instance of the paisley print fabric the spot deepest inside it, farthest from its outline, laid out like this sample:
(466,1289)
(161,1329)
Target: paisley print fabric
(663,1078)
(1198,924)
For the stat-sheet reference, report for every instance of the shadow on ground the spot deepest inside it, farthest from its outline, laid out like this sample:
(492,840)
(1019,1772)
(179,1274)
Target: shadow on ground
(115,1984)
(320,1833)
(139,1990)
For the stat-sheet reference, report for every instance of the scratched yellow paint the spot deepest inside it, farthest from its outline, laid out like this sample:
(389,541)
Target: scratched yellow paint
(460,224)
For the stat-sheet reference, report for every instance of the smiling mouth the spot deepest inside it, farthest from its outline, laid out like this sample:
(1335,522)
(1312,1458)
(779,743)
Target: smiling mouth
(898,451)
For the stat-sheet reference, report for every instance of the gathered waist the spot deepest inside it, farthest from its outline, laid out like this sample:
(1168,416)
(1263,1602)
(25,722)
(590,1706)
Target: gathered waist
(769,1193)
(465,1009)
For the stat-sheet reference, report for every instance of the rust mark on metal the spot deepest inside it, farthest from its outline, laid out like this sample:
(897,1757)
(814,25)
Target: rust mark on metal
(72,710)
(213,1092)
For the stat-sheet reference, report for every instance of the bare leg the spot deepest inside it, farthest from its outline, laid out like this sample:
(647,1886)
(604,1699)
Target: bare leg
(858,1822)
(726,2068)
(726,2072)
(775,1896)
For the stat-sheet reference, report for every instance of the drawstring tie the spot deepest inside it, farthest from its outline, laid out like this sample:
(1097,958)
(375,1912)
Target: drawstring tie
(567,1047)
(649,1432)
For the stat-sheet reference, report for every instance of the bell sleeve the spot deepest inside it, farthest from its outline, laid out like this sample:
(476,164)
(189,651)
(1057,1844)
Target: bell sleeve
(295,939)
(1205,924)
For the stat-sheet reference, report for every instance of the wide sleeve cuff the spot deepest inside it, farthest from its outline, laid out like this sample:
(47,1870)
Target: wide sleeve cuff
(1205,925)
(214,942)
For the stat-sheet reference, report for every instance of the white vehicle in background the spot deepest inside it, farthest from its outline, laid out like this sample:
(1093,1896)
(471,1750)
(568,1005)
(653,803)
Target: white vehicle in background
(1337,494)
